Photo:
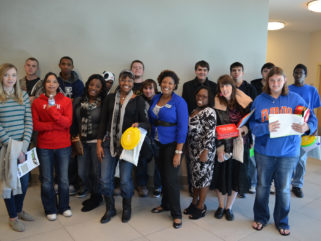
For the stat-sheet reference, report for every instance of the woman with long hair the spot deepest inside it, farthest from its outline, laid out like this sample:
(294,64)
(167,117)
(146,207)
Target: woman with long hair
(231,105)
(16,124)
(52,117)
(87,113)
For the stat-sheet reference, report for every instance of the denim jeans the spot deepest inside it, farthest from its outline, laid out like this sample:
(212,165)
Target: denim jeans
(299,171)
(48,158)
(15,203)
(252,172)
(108,166)
(281,170)
(89,168)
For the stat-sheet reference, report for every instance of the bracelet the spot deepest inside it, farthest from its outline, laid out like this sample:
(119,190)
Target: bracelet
(178,152)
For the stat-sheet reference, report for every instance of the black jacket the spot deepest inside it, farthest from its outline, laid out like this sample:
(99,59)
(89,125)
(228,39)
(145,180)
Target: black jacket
(189,89)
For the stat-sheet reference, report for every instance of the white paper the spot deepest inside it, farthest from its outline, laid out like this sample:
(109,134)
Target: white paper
(286,121)
(31,162)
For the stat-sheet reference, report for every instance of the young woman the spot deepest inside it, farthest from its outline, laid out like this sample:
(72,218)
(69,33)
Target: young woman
(87,113)
(121,110)
(52,117)
(231,104)
(148,90)
(15,123)
(276,157)
(169,117)
(201,139)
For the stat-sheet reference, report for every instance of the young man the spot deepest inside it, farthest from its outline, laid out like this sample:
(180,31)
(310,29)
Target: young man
(312,98)
(69,82)
(259,83)
(31,82)
(201,71)
(237,74)
(71,87)
(137,67)
(110,79)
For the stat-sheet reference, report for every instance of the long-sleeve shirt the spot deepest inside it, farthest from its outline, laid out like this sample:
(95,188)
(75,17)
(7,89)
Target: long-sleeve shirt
(16,121)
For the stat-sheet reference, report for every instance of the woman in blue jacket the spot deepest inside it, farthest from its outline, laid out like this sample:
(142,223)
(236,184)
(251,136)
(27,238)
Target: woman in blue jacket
(169,117)
(276,157)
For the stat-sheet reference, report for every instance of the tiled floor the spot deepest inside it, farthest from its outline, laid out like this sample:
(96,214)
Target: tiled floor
(305,220)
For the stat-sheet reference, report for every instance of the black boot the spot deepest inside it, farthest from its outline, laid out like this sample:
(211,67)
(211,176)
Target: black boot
(127,210)
(94,202)
(110,210)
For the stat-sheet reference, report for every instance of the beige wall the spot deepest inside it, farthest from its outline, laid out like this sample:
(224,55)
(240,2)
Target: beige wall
(106,35)
(286,49)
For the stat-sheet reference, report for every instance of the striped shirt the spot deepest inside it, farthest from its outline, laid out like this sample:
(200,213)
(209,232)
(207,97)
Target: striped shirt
(16,121)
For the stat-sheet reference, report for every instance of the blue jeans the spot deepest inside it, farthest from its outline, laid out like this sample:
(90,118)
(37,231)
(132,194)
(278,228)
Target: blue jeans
(15,203)
(108,166)
(89,168)
(252,172)
(48,158)
(299,171)
(281,170)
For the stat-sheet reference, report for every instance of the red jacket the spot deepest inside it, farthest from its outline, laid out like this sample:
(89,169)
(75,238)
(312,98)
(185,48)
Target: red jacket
(52,124)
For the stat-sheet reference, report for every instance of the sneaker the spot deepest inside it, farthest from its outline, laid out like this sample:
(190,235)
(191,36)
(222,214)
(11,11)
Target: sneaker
(17,225)
(157,192)
(297,192)
(272,189)
(56,188)
(241,195)
(52,217)
(82,193)
(252,189)
(142,191)
(25,216)
(67,213)
(72,190)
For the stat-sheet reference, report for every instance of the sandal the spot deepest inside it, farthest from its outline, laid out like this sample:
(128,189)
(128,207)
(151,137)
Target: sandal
(159,209)
(284,231)
(190,209)
(197,213)
(258,226)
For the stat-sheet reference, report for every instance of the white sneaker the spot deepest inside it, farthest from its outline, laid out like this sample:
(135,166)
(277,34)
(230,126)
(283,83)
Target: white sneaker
(67,213)
(252,189)
(272,190)
(52,217)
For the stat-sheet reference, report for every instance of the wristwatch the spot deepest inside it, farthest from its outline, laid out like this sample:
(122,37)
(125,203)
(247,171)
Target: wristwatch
(178,152)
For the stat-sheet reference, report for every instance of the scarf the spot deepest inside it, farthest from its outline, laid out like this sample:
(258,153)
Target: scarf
(117,123)
(86,117)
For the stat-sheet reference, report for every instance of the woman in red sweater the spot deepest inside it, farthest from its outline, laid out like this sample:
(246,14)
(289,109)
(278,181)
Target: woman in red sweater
(52,118)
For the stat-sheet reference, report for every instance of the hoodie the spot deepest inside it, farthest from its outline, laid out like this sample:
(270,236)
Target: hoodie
(73,87)
(264,104)
(52,124)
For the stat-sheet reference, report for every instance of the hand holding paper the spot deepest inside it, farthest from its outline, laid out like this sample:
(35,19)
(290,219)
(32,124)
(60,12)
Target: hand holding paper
(285,125)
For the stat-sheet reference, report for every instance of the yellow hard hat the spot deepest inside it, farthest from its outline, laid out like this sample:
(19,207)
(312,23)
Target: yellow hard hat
(130,138)
(308,140)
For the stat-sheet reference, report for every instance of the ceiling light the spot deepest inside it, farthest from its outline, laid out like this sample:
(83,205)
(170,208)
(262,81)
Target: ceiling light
(275,25)
(315,6)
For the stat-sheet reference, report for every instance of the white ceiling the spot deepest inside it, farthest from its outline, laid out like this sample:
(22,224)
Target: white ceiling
(295,14)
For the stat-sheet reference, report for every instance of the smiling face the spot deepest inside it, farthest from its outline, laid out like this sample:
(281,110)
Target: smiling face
(94,88)
(276,83)
(149,91)
(51,85)
(9,79)
(202,98)
(299,76)
(201,73)
(167,85)
(226,91)
(126,84)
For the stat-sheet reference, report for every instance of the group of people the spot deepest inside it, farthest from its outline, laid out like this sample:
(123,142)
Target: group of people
(65,110)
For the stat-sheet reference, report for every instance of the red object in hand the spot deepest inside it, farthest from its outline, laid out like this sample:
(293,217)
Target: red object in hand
(226,131)
(303,111)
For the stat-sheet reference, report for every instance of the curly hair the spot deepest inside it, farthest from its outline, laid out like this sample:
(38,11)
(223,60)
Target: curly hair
(103,92)
(168,73)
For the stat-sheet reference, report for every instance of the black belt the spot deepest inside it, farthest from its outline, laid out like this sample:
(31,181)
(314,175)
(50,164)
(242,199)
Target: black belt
(163,123)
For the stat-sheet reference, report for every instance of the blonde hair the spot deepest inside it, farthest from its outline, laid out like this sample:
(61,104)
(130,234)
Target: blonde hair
(17,90)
